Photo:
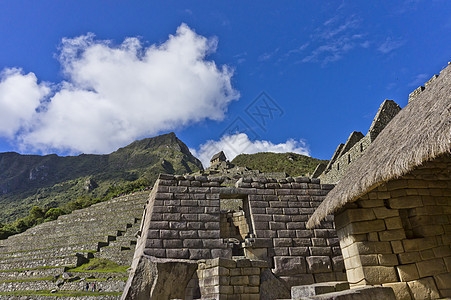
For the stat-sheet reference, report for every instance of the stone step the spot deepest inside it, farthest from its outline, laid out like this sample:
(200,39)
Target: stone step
(55,251)
(100,212)
(302,291)
(67,220)
(111,285)
(119,256)
(72,260)
(113,229)
(31,273)
(64,242)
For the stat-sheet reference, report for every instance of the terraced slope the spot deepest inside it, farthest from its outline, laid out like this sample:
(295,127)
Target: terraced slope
(41,258)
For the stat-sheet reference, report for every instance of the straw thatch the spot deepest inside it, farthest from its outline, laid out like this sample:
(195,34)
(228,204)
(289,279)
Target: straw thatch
(420,132)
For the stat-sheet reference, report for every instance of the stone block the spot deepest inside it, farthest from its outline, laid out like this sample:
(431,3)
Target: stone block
(251,271)
(424,288)
(442,251)
(372,248)
(243,263)
(298,251)
(363,293)
(320,251)
(196,254)
(428,230)
(192,243)
(177,253)
(409,257)
(393,223)
(379,274)
(401,290)
(405,202)
(172,244)
(419,244)
(154,243)
(408,272)
(392,235)
(338,264)
(397,247)
(370,203)
(443,281)
(300,279)
(431,267)
(283,242)
(324,277)
(288,265)
(319,264)
(364,227)
(388,259)
(383,212)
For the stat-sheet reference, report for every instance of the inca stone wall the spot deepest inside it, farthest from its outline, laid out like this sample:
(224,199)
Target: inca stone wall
(184,221)
(399,235)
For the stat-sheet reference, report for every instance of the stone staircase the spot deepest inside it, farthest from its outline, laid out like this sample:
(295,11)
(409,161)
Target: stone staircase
(38,262)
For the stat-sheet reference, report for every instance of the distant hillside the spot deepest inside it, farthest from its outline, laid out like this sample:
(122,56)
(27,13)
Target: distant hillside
(291,163)
(49,181)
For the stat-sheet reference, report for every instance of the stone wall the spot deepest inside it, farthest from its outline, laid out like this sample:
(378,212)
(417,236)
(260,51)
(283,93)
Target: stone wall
(183,220)
(222,278)
(399,234)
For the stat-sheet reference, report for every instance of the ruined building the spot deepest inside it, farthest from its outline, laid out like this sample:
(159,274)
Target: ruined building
(256,250)
(393,206)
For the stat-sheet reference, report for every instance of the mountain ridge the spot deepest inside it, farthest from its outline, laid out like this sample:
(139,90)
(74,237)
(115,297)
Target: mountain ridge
(30,180)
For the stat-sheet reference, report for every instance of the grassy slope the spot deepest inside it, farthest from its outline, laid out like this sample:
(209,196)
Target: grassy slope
(291,163)
(50,181)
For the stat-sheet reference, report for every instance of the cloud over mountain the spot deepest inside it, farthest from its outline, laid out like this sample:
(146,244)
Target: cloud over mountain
(114,94)
(238,143)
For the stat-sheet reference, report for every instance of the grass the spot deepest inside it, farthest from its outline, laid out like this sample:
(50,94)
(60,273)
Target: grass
(59,293)
(101,265)
(291,163)
(35,268)
(25,280)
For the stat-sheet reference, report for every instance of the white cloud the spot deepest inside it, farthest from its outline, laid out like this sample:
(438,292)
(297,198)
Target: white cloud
(238,143)
(115,94)
(20,96)
(335,38)
(389,45)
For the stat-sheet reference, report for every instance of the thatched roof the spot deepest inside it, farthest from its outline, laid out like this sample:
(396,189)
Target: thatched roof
(419,132)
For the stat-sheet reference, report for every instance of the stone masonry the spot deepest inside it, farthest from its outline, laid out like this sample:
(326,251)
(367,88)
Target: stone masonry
(398,234)
(184,220)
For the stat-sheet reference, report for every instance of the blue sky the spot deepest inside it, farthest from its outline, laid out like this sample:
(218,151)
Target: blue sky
(91,76)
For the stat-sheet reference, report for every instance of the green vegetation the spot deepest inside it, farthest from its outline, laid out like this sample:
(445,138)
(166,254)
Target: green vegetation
(101,265)
(28,279)
(291,163)
(35,189)
(39,215)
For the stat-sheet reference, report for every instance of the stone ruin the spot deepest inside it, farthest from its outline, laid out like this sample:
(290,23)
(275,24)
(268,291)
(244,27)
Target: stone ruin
(201,239)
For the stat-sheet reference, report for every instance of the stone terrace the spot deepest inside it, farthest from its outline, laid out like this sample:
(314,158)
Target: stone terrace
(41,257)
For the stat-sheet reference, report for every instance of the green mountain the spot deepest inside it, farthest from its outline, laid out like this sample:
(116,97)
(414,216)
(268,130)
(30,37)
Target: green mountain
(51,181)
(291,163)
